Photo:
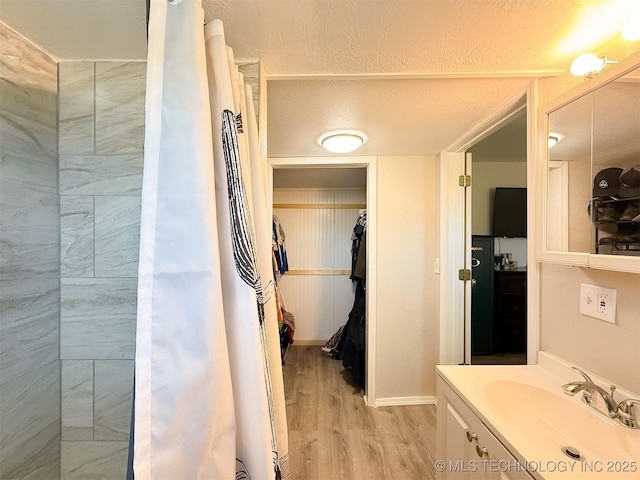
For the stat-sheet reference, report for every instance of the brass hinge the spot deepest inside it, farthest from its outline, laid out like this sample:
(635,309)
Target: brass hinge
(464,274)
(464,180)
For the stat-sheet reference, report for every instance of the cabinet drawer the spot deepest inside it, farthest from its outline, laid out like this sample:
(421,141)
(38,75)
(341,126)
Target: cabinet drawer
(512,282)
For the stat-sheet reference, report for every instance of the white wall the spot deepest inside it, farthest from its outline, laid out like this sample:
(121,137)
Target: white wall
(611,351)
(407,291)
(318,242)
(486,177)
(580,227)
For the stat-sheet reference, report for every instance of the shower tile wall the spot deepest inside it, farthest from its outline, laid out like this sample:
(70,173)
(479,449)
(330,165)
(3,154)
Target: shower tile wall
(29,262)
(100,143)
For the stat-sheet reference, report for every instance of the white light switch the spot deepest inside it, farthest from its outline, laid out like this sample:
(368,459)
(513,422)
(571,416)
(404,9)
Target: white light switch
(598,302)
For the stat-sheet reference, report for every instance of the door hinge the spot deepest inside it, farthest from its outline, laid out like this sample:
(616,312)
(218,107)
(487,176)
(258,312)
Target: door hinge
(464,180)
(464,274)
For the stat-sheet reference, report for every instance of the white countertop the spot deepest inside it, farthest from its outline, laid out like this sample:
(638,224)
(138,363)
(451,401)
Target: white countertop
(526,409)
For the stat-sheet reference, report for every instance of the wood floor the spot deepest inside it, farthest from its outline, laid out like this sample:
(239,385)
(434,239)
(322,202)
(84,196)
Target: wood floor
(334,436)
(505,359)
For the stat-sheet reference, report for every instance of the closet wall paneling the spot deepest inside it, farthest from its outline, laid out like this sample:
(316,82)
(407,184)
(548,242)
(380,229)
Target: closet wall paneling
(318,224)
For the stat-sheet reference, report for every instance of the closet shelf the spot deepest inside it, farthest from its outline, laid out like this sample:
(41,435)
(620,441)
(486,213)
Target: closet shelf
(318,272)
(331,206)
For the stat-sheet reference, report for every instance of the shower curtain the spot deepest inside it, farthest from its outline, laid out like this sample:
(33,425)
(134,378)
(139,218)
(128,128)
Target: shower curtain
(209,398)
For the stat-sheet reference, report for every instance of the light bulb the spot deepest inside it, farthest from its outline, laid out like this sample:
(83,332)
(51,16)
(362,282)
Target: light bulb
(554,138)
(342,142)
(587,64)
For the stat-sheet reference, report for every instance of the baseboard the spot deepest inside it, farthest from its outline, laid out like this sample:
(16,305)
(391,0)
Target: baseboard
(399,401)
(308,343)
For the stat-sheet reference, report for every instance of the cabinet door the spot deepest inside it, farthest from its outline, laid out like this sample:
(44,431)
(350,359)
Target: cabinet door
(461,460)
(467,448)
(498,463)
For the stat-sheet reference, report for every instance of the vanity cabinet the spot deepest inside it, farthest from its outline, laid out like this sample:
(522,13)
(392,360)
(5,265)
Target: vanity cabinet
(465,448)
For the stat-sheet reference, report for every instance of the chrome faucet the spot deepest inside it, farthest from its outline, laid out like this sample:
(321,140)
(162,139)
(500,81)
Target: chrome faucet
(589,388)
(623,411)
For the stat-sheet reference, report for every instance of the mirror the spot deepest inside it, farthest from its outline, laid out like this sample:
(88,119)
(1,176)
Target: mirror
(593,174)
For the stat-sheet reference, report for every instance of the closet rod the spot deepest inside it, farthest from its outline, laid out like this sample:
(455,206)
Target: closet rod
(318,272)
(333,206)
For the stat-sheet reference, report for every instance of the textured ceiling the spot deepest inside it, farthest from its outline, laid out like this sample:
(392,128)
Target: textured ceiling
(400,117)
(509,144)
(411,36)
(414,75)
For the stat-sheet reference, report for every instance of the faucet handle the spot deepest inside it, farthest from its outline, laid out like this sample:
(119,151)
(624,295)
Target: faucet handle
(626,412)
(580,372)
(626,406)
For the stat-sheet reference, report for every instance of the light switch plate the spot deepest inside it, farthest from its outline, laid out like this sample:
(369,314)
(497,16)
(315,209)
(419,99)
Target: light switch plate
(598,302)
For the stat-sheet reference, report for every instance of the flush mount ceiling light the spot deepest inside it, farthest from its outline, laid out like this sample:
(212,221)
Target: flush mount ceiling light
(631,30)
(342,141)
(588,64)
(554,138)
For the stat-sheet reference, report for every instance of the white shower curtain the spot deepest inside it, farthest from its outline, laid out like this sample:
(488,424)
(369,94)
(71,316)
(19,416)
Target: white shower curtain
(209,399)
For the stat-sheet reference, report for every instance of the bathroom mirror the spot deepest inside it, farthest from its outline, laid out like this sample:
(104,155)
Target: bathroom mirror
(590,217)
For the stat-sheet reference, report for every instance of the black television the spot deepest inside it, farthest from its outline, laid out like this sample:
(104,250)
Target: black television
(510,212)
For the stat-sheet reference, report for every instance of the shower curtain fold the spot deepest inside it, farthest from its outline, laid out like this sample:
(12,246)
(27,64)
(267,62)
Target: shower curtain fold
(209,400)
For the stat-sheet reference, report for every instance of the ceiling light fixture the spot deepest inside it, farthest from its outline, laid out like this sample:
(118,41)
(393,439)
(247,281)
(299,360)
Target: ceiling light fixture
(342,141)
(631,30)
(554,138)
(588,64)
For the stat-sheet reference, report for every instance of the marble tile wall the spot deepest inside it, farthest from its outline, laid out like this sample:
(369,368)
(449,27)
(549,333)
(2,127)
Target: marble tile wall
(101,139)
(29,262)
(71,141)
(101,136)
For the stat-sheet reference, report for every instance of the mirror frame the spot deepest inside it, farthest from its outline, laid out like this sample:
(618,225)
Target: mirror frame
(619,263)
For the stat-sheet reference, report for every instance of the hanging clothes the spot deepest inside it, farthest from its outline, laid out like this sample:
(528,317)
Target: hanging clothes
(354,345)
(351,346)
(279,249)
(358,252)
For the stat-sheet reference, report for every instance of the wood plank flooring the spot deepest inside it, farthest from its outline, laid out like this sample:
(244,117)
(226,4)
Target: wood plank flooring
(505,359)
(333,435)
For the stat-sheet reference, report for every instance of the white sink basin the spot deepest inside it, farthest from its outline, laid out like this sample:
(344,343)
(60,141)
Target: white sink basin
(526,409)
(555,420)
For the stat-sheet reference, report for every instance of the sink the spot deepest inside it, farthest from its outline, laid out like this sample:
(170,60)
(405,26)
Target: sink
(546,421)
(526,409)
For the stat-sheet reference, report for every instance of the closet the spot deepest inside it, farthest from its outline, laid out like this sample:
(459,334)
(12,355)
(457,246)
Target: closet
(318,209)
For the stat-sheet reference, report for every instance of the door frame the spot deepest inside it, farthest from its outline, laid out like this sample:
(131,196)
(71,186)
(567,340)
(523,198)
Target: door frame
(558,195)
(454,294)
(370,164)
